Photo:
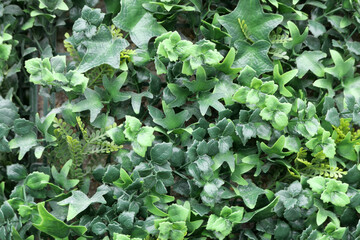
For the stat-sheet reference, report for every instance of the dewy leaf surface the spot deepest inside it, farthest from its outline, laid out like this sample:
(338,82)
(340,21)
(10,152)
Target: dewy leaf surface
(259,24)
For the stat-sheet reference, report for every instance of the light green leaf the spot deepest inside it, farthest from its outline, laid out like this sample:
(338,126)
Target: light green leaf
(259,24)
(134,19)
(254,56)
(310,61)
(53,226)
(78,202)
(25,143)
(92,103)
(109,54)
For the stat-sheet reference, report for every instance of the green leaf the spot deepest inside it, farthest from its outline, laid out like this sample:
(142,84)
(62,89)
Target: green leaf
(37,180)
(61,178)
(261,213)
(210,99)
(332,116)
(16,172)
(171,120)
(282,79)
(22,126)
(200,84)
(53,226)
(161,153)
(259,24)
(276,149)
(78,201)
(297,38)
(109,54)
(149,203)
(227,157)
(335,192)
(53,5)
(180,94)
(342,69)
(9,112)
(5,50)
(317,184)
(254,56)
(178,213)
(114,86)
(134,19)
(92,103)
(226,65)
(25,143)
(221,226)
(310,61)
(250,194)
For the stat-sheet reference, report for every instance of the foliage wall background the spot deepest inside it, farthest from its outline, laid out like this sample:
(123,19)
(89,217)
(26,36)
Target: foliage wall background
(173,119)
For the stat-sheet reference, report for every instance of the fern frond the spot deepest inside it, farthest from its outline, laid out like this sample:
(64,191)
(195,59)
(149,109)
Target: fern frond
(326,170)
(342,130)
(82,129)
(244,29)
(70,48)
(278,53)
(280,38)
(115,32)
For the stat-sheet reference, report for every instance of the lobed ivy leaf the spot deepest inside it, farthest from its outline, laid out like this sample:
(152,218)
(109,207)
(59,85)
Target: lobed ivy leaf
(310,60)
(92,103)
(78,201)
(140,24)
(171,120)
(342,69)
(259,24)
(53,226)
(253,55)
(110,50)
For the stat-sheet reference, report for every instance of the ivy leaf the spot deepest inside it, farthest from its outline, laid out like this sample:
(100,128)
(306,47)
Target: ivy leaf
(226,65)
(297,38)
(282,79)
(254,56)
(342,68)
(310,61)
(109,54)
(171,120)
(61,178)
(259,24)
(200,84)
(180,94)
(261,213)
(53,226)
(227,157)
(276,149)
(53,5)
(141,24)
(22,126)
(24,142)
(16,172)
(113,87)
(210,99)
(136,100)
(92,103)
(78,201)
(250,194)
(9,112)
